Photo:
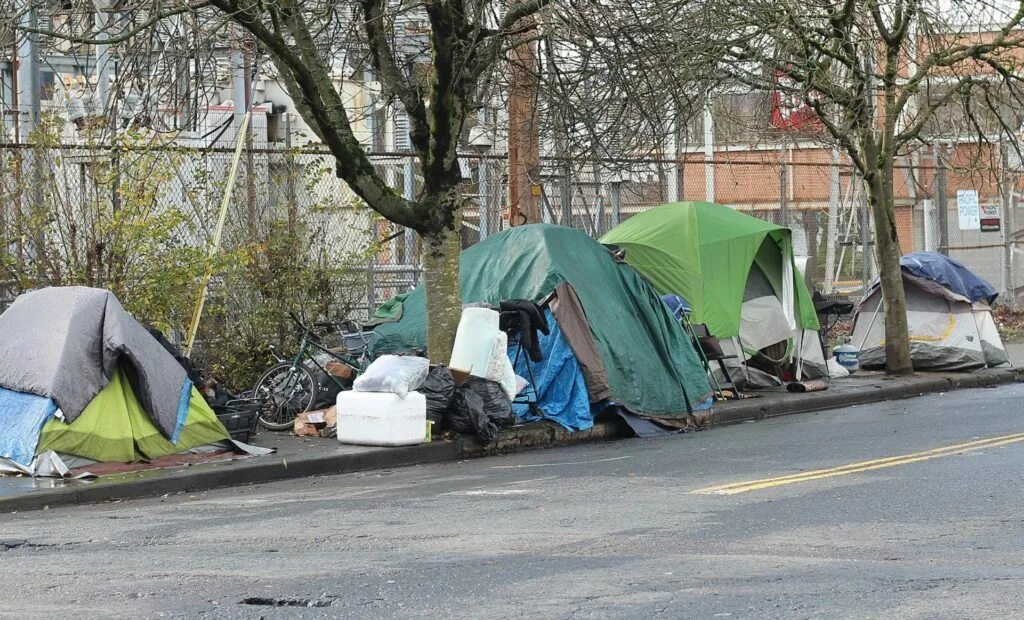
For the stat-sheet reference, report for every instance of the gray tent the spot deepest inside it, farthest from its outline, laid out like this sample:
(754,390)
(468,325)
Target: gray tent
(69,341)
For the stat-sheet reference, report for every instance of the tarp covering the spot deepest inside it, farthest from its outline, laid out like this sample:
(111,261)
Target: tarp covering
(950,274)
(561,392)
(115,428)
(66,342)
(704,252)
(22,416)
(651,366)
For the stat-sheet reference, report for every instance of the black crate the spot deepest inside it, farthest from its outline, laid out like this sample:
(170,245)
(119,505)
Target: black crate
(239,417)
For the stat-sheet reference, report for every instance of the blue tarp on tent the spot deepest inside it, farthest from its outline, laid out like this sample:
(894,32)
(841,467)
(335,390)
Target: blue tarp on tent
(22,417)
(950,274)
(561,390)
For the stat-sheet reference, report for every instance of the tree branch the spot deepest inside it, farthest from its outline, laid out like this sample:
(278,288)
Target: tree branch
(145,25)
(392,81)
(312,88)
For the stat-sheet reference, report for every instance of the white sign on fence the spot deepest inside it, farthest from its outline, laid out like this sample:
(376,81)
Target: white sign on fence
(967,208)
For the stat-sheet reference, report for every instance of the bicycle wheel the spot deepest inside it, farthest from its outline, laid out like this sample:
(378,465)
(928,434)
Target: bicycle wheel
(287,391)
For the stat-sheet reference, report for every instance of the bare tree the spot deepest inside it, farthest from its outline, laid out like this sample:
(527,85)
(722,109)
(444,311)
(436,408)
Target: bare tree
(863,67)
(432,58)
(595,84)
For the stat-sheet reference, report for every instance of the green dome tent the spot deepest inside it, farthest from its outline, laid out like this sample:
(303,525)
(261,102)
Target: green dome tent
(642,360)
(736,271)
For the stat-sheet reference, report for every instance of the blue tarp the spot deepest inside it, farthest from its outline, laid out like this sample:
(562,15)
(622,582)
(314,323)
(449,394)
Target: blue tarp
(561,390)
(676,305)
(22,417)
(950,274)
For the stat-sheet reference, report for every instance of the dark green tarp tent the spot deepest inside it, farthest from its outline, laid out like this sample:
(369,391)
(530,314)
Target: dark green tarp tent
(644,360)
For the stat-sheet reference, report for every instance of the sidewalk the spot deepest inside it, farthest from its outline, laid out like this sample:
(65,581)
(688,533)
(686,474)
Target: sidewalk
(304,457)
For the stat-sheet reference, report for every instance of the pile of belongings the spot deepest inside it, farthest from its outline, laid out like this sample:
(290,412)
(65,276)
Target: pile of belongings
(82,382)
(585,332)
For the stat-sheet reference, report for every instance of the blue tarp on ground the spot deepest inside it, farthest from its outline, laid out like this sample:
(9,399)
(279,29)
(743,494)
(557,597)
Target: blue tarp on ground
(22,417)
(949,273)
(561,390)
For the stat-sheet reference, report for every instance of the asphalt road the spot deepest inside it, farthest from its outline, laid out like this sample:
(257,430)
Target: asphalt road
(603,531)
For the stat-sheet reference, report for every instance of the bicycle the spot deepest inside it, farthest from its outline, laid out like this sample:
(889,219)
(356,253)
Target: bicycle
(289,387)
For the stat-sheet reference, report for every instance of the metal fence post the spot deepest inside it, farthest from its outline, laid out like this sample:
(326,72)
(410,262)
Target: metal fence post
(484,189)
(565,196)
(940,200)
(929,224)
(783,190)
(709,153)
(865,248)
(616,198)
(672,173)
(409,192)
(834,225)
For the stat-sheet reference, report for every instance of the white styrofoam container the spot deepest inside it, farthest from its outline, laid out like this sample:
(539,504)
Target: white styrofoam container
(381,419)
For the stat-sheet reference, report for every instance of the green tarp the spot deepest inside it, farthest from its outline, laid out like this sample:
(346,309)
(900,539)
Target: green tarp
(115,428)
(652,368)
(704,253)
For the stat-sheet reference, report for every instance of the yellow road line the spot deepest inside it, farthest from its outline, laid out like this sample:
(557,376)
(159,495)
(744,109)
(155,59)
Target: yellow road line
(862,466)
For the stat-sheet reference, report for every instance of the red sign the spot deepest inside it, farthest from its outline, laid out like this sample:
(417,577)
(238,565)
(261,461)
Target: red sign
(789,111)
(989,218)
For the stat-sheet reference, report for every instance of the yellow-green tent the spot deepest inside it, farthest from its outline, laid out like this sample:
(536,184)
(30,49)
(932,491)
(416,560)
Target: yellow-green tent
(115,428)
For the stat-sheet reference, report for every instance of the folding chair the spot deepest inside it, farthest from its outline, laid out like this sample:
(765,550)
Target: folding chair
(710,351)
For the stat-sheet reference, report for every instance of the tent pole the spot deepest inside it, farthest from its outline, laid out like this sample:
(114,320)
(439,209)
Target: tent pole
(215,244)
(874,316)
(743,356)
(799,356)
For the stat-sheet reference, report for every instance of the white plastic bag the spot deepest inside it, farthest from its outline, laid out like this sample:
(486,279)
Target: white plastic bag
(835,369)
(395,374)
(499,366)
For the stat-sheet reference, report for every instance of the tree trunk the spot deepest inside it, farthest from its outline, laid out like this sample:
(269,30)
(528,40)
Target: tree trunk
(443,296)
(887,252)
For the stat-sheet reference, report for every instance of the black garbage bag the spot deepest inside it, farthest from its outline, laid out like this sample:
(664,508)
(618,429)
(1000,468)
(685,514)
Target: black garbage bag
(480,407)
(438,387)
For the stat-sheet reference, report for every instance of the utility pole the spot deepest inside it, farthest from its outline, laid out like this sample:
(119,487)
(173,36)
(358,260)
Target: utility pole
(523,134)
(27,73)
(250,172)
(28,119)
(102,58)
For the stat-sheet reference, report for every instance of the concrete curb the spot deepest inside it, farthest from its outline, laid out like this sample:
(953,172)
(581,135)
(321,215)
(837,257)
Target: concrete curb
(532,437)
(898,389)
(217,475)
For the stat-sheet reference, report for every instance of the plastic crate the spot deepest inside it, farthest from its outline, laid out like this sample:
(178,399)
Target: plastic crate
(239,417)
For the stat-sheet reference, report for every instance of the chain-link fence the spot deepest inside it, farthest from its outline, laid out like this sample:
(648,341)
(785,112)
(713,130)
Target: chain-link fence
(140,220)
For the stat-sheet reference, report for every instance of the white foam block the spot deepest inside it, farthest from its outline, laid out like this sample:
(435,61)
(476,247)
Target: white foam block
(381,419)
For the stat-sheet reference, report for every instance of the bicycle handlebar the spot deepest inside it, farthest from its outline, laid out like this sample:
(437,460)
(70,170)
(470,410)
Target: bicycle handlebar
(323,324)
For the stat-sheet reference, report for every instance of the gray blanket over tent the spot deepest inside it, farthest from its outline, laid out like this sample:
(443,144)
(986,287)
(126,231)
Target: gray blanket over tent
(73,362)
